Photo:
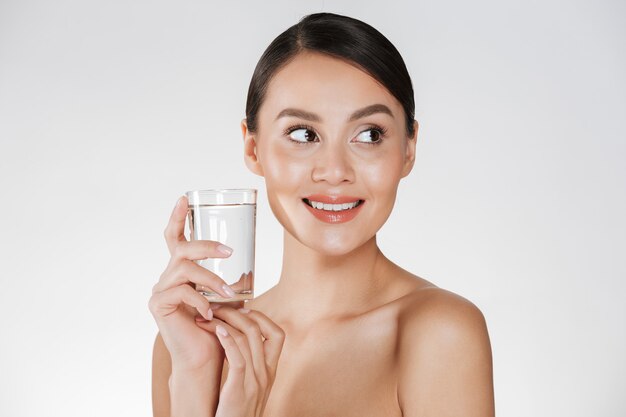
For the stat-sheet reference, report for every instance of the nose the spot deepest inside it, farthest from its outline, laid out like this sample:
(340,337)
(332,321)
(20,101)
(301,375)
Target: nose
(333,165)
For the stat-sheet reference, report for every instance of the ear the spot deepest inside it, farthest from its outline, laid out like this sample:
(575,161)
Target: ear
(409,157)
(250,156)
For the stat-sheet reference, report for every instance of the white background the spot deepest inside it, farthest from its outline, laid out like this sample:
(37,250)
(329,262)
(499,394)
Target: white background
(110,110)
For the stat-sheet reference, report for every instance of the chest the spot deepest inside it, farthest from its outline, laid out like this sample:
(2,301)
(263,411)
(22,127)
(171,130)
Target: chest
(341,370)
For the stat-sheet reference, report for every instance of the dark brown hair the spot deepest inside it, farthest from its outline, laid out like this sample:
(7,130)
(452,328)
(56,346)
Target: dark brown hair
(341,37)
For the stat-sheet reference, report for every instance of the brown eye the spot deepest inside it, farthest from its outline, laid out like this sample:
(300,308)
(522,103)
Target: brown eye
(370,136)
(302,135)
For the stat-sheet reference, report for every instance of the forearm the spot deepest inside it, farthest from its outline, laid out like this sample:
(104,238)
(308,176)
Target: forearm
(195,393)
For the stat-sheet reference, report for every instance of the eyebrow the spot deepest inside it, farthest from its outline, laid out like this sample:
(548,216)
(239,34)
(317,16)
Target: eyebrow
(360,113)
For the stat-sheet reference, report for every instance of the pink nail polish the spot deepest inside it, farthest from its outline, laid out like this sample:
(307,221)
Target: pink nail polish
(221,330)
(224,250)
(229,291)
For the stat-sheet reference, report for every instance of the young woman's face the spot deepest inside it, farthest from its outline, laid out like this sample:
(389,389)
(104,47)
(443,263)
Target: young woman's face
(317,143)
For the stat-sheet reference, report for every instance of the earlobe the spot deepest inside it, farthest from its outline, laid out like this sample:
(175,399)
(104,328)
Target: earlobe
(250,151)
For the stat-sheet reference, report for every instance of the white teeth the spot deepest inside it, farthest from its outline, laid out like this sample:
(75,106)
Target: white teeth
(333,207)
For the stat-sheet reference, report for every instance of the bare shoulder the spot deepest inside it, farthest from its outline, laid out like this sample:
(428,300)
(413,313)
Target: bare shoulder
(440,312)
(445,363)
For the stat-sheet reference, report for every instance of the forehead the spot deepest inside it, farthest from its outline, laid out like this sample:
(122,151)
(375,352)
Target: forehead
(325,85)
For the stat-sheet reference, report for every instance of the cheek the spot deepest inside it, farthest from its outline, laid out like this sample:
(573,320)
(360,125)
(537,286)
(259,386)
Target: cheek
(384,173)
(284,178)
(283,171)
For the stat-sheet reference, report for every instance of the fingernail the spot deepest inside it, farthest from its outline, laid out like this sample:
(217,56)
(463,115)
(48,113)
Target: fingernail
(244,310)
(229,291)
(209,314)
(224,249)
(221,330)
(215,306)
(180,201)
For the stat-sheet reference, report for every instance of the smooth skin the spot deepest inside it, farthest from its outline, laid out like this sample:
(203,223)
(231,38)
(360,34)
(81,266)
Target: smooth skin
(350,333)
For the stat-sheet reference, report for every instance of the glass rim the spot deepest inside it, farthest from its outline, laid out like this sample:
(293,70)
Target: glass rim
(223,190)
(221,196)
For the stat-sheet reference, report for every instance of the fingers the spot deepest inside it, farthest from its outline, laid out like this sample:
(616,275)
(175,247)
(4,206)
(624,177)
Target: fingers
(185,271)
(236,348)
(175,230)
(163,303)
(252,346)
(180,269)
(261,355)
(236,360)
(201,249)
(274,338)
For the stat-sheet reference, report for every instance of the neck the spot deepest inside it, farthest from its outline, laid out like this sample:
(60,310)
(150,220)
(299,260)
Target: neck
(315,286)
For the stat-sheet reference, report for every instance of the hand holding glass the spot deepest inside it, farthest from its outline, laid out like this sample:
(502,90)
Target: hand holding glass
(227,216)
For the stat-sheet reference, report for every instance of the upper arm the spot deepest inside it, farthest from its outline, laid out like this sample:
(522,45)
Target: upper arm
(161,371)
(445,360)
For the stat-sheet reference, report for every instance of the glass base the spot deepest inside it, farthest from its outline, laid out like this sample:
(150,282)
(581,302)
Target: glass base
(216,298)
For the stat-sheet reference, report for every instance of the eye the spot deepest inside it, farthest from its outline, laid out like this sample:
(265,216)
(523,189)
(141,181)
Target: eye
(373,136)
(301,134)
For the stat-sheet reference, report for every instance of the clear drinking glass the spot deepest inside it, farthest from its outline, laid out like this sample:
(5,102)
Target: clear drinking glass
(227,216)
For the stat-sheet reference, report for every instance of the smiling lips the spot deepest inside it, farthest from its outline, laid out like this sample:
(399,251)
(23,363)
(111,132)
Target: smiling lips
(333,209)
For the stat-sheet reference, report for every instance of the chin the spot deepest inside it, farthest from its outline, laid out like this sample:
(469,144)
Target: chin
(330,244)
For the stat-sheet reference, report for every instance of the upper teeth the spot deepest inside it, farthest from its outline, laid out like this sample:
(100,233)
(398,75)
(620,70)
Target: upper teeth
(333,207)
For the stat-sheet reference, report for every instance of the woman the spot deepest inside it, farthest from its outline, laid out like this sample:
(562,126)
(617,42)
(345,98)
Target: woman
(330,126)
